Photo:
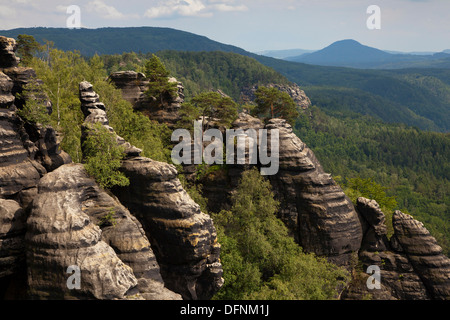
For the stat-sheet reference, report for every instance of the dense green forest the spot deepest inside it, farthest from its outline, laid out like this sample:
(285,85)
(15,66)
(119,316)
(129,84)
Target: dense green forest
(119,40)
(416,97)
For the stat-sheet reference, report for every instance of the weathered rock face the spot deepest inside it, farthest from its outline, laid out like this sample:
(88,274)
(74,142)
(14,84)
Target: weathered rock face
(424,254)
(294,91)
(61,235)
(183,238)
(19,171)
(6,85)
(218,186)
(411,269)
(115,262)
(316,210)
(134,84)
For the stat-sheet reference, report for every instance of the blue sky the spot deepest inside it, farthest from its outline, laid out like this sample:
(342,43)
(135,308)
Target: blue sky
(256,25)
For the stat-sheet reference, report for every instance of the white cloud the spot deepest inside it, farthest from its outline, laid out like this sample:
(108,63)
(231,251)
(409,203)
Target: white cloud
(201,8)
(228,8)
(104,10)
(176,7)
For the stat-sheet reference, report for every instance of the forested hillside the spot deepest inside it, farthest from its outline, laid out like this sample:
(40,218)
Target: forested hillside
(119,40)
(401,96)
(203,71)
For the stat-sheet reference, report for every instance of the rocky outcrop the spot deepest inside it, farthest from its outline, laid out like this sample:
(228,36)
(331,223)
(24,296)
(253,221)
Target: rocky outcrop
(298,95)
(219,185)
(412,268)
(95,112)
(183,238)
(19,171)
(133,86)
(64,230)
(8,57)
(313,206)
(6,96)
(424,253)
(60,235)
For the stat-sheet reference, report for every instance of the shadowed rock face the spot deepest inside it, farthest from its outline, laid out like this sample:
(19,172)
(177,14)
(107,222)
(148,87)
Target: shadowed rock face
(19,171)
(12,232)
(374,227)
(315,209)
(7,56)
(183,238)
(115,261)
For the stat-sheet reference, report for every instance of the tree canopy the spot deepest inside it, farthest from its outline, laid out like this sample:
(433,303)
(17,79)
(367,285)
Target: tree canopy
(272,103)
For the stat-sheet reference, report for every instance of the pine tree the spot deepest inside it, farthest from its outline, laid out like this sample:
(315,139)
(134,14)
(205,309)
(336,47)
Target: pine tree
(273,103)
(159,88)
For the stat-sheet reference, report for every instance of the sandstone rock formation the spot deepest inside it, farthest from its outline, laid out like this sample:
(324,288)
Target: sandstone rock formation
(133,86)
(373,223)
(321,217)
(61,235)
(412,268)
(298,95)
(183,238)
(6,96)
(64,229)
(424,254)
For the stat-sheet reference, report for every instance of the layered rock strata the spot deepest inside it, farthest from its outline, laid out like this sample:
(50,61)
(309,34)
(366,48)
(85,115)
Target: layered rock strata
(424,254)
(183,238)
(412,266)
(75,223)
(321,217)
